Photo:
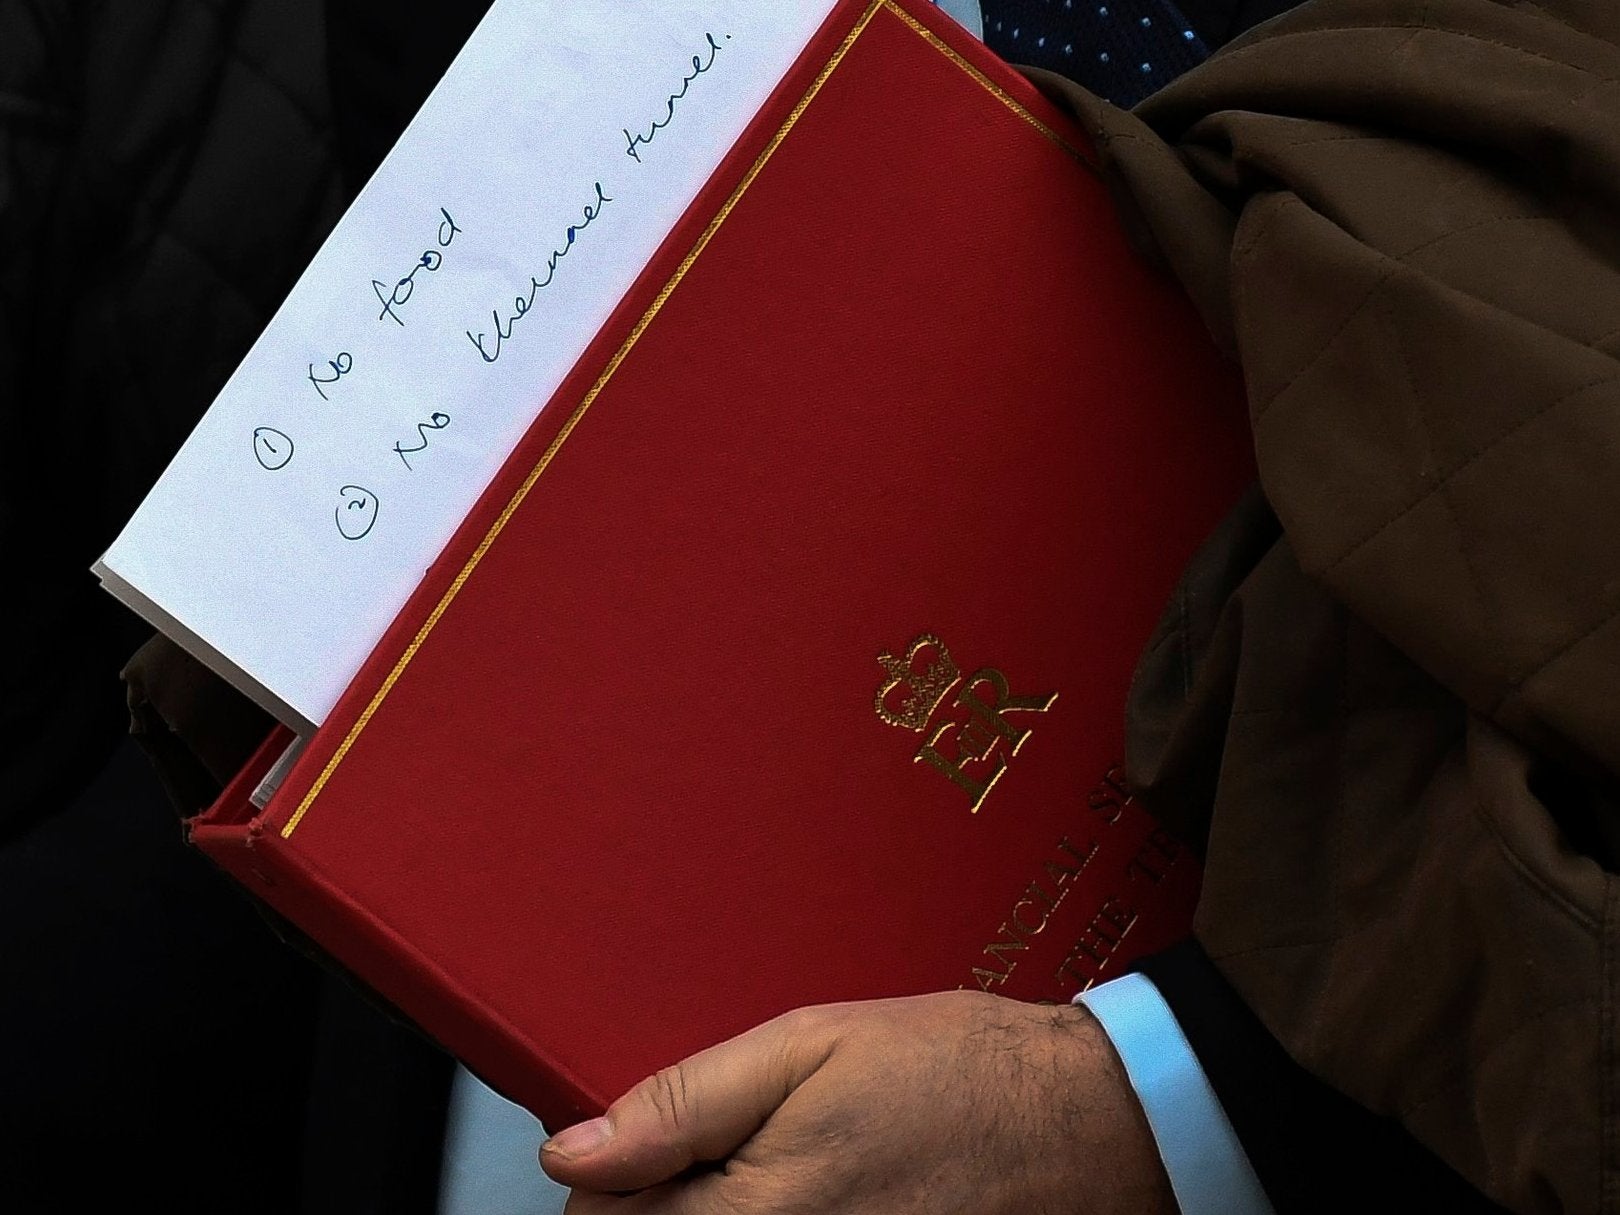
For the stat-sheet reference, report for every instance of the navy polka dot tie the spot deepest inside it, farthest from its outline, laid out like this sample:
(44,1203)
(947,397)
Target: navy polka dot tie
(1119,49)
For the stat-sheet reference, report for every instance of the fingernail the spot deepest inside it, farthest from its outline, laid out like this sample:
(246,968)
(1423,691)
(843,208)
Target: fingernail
(581,1139)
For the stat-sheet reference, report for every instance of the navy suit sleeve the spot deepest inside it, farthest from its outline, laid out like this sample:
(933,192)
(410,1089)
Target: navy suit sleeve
(1311,1146)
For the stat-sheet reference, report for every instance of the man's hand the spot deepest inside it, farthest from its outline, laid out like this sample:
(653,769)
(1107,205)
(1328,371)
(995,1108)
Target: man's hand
(959,1102)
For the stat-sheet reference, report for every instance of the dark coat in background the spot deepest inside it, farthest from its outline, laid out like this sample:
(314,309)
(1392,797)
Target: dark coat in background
(167,169)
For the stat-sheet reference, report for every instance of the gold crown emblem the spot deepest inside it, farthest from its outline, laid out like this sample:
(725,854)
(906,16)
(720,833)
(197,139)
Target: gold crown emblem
(927,683)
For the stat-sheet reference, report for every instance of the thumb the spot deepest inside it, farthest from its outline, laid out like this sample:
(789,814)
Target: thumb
(698,1111)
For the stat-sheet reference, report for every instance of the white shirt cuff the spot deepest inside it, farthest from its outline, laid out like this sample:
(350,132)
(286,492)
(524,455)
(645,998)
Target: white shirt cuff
(1207,1167)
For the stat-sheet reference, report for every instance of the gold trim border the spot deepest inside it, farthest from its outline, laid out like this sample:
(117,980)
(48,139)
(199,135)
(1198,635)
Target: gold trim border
(619,356)
(990,86)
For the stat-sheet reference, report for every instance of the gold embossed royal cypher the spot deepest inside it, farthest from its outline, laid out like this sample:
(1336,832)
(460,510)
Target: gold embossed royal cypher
(969,742)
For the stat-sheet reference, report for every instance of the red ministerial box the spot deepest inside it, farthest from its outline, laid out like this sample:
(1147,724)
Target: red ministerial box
(785,660)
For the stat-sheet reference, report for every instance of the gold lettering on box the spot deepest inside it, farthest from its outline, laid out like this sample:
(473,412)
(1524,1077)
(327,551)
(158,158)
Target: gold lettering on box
(1044,905)
(997,952)
(1098,942)
(1032,912)
(923,684)
(1154,858)
(970,742)
(1111,795)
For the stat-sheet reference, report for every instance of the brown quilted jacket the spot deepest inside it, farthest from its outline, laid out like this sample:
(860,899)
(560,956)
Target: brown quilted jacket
(1395,723)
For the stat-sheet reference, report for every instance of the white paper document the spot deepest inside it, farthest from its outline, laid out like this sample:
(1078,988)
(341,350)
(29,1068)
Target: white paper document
(436,321)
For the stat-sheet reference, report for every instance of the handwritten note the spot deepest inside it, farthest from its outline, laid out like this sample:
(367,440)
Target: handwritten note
(440,316)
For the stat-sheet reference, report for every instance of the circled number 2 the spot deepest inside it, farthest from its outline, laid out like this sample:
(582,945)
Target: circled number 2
(356,512)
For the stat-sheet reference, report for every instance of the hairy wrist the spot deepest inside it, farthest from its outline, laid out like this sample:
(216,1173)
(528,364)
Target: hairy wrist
(1096,1141)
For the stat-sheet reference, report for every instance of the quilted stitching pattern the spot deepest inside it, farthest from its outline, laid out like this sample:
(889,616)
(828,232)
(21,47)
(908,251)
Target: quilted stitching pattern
(166,170)
(1398,730)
